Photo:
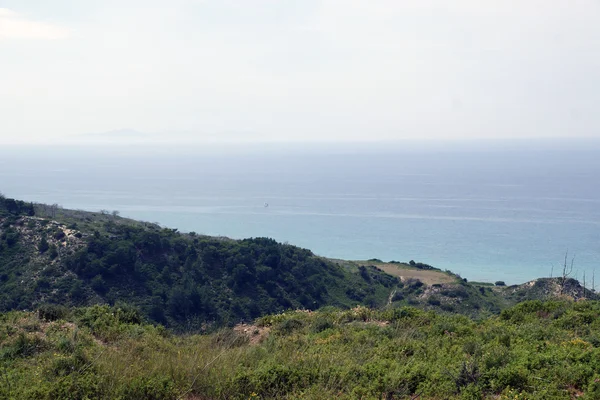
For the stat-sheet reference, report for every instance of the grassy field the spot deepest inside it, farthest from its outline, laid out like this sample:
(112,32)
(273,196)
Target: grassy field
(405,271)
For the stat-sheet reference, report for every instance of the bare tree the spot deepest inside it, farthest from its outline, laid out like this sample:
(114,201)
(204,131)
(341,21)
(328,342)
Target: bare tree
(566,271)
(53,209)
(584,284)
(115,213)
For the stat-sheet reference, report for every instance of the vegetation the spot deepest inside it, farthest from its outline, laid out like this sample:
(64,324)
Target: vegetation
(191,282)
(184,281)
(15,207)
(117,302)
(535,350)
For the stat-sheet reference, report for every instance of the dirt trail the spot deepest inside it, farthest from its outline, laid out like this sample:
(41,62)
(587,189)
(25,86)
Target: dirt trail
(393,292)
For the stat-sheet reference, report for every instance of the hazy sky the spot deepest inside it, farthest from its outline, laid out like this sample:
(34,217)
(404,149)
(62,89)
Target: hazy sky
(290,70)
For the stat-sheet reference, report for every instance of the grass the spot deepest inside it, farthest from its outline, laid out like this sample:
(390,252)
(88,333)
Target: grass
(536,350)
(406,271)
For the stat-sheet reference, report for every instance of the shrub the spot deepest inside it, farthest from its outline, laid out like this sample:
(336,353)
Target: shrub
(52,312)
(53,252)
(150,388)
(288,326)
(99,285)
(434,301)
(43,246)
(397,297)
(321,324)
(24,345)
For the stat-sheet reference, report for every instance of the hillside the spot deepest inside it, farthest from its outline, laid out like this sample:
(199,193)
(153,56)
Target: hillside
(536,350)
(424,286)
(193,282)
(187,281)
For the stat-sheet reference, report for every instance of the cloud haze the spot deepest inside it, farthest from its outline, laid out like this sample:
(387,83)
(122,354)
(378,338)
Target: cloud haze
(16,26)
(316,70)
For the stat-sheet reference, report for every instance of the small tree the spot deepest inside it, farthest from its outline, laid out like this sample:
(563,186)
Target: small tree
(43,246)
(53,209)
(500,283)
(53,253)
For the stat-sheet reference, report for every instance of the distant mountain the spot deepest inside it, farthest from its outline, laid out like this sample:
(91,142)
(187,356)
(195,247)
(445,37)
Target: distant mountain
(118,134)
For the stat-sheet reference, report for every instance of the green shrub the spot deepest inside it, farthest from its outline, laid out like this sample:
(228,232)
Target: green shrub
(434,301)
(288,326)
(150,388)
(52,312)
(321,323)
(43,246)
(24,345)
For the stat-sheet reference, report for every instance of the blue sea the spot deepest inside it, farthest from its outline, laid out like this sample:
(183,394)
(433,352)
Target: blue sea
(486,210)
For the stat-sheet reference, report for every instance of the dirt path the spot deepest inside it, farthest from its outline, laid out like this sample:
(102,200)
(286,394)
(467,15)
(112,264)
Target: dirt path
(393,292)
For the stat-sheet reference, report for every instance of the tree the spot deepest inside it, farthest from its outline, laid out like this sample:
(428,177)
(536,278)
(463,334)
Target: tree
(53,209)
(43,246)
(99,285)
(53,253)
(567,270)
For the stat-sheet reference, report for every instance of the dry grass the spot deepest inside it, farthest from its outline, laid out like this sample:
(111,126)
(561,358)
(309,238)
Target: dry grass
(404,272)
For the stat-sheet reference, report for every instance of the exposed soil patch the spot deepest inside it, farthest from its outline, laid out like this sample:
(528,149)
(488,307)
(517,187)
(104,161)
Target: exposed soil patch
(255,334)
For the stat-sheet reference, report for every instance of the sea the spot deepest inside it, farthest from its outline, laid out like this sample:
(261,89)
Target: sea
(487,210)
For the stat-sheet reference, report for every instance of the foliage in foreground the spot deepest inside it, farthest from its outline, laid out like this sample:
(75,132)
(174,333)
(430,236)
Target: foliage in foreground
(535,350)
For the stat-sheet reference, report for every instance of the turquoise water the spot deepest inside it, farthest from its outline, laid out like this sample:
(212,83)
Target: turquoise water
(486,213)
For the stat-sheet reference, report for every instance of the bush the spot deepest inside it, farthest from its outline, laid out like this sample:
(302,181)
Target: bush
(99,285)
(43,246)
(24,345)
(52,312)
(59,235)
(321,323)
(500,283)
(434,301)
(397,297)
(53,252)
(150,388)
(288,326)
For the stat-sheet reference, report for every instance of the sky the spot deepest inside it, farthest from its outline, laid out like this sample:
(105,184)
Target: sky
(298,70)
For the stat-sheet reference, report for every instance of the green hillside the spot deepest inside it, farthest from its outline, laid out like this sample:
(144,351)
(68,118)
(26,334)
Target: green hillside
(113,304)
(186,281)
(196,283)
